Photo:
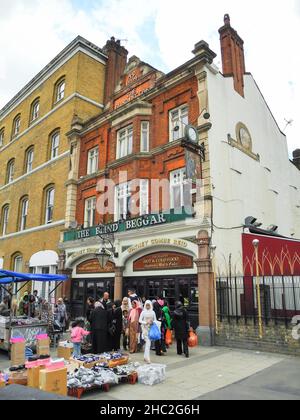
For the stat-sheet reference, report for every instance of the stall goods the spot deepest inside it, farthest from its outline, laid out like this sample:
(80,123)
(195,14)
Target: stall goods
(54,381)
(151,374)
(107,359)
(65,350)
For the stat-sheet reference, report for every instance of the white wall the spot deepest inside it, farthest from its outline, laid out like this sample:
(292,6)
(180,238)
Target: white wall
(237,196)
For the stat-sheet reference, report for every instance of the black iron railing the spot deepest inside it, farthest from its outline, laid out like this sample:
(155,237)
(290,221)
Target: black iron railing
(279,299)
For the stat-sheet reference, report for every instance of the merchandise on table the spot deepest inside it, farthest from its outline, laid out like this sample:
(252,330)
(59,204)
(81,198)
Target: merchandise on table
(88,378)
(107,359)
(151,374)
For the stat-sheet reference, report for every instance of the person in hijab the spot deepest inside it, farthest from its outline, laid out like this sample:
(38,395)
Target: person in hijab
(117,317)
(147,318)
(126,304)
(99,327)
(134,317)
(180,325)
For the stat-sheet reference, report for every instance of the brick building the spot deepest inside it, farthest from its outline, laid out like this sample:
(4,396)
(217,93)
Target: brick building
(162,245)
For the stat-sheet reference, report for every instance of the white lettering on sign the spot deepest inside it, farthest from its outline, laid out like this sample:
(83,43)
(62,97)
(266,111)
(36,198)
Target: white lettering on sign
(156,242)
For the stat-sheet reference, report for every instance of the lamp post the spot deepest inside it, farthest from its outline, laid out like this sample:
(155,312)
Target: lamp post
(256,246)
(213,254)
(104,255)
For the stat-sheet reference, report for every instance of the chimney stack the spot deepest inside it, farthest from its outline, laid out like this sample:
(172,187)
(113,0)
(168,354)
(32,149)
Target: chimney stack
(233,57)
(115,67)
(296,158)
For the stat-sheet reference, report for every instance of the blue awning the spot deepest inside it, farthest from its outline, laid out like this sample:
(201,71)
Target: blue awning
(8,277)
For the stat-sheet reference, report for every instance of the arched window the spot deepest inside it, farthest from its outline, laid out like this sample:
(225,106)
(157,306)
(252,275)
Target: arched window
(59,91)
(17,262)
(35,110)
(4,219)
(29,156)
(54,144)
(23,213)
(2,132)
(49,204)
(10,171)
(16,126)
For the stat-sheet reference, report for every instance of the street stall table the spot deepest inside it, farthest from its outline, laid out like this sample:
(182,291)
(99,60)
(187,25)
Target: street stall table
(25,327)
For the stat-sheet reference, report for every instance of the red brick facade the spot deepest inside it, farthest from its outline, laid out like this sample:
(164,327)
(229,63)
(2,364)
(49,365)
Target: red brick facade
(163,156)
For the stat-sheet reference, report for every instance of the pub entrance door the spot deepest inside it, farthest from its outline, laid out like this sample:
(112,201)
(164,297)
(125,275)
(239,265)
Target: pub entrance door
(82,289)
(172,288)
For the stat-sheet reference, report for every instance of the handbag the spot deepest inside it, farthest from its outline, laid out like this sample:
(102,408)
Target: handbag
(154,333)
(193,339)
(169,338)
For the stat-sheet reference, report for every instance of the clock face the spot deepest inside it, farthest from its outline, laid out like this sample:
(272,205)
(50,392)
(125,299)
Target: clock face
(192,134)
(245,138)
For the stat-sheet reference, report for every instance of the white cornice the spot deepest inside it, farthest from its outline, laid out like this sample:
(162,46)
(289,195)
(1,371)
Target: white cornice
(31,230)
(56,108)
(78,45)
(37,169)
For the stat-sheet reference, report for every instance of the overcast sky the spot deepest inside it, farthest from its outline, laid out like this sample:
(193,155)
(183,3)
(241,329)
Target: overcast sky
(163,33)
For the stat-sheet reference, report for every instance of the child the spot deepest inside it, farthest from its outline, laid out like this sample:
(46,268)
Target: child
(125,330)
(76,337)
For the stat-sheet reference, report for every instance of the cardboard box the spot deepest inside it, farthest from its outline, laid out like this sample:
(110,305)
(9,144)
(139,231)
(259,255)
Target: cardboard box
(54,381)
(43,347)
(17,355)
(34,376)
(64,352)
(18,378)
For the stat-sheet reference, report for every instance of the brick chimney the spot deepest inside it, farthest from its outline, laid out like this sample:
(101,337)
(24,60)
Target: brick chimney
(233,58)
(296,158)
(117,60)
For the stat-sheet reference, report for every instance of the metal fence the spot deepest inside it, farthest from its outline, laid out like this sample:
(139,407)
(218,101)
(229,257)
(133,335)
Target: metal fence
(279,297)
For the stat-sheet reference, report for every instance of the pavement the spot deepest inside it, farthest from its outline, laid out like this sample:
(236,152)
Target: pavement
(212,374)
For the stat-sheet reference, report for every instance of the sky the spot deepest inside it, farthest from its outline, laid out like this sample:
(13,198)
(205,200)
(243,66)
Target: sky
(162,33)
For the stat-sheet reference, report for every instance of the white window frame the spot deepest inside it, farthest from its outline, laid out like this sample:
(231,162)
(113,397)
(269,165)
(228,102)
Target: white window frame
(177,181)
(90,212)
(5,220)
(144,197)
(24,214)
(178,116)
(126,147)
(29,160)
(35,112)
(55,140)
(18,263)
(60,91)
(2,133)
(17,126)
(10,172)
(122,200)
(145,136)
(93,161)
(50,199)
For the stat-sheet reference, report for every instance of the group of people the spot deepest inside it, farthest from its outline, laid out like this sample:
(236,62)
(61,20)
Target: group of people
(132,320)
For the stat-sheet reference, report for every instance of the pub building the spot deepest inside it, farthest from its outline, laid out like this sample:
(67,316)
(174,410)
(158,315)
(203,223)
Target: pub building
(203,131)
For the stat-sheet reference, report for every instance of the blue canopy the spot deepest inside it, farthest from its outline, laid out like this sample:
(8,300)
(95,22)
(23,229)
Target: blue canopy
(8,277)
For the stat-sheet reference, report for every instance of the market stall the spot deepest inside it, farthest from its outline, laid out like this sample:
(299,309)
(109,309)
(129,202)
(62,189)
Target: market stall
(26,327)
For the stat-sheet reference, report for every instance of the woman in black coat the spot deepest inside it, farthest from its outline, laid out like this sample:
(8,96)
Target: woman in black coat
(99,325)
(117,316)
(180,325)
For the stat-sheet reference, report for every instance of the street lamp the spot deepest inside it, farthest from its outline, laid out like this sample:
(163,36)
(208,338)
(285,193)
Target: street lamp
(104,255)
(213,254)
(255,244)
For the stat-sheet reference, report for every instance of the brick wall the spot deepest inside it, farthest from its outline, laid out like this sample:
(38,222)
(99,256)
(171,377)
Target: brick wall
(276,338)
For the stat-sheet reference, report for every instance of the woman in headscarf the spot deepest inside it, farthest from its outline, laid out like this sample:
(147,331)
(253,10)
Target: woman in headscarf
(126,304)
(99,326)
(61,313)
(180,325)
(117,317)
(134,317)
(147,318)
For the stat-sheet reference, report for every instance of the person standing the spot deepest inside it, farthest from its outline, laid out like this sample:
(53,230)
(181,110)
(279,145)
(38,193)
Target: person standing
(134,317)
(90,308)
(125,329)
(24,305)
(61,313)
(180,325)
(4,307)
(147,318)
(77,335)
(99,327)
(117,319)
(167,321)
(105,301)
(159,315)
(126,304)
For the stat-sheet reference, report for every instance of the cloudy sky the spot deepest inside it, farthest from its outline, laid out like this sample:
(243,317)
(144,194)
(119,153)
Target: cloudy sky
(163,33)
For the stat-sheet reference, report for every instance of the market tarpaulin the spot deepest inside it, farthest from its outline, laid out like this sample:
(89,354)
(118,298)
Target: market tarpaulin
(8,277)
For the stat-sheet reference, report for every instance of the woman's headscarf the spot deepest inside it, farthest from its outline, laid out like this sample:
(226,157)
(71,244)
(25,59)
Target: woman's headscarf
(148,311)
(126,304)
(134,314)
